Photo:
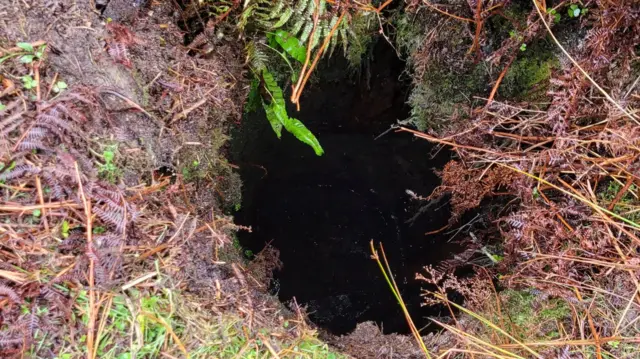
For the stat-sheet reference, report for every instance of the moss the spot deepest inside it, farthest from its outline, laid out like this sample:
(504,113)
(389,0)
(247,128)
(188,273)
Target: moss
(532,317)
(445,78)
(362,30)
(444,93)
(501,25)
(528,74)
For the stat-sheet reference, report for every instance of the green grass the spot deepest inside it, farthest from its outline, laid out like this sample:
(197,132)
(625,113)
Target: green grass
(145,325)
(627,206)
(530,317)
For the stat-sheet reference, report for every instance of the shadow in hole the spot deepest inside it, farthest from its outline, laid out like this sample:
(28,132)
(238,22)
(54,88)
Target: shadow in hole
(322,212)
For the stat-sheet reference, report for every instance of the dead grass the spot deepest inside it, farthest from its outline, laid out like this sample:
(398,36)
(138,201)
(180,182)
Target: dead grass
(567,284)
(102,254)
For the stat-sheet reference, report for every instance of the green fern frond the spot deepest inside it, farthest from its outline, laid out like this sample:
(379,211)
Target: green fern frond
(291,45)
(302,5)
(277,9)
(306,32)
(275,119)
(302,133)
(286,15)
(275,108)
(256,57)
(272,88)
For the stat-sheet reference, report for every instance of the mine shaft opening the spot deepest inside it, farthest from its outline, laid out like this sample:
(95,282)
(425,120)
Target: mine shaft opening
(322,212)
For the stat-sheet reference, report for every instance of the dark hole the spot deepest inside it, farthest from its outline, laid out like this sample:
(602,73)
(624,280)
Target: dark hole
(192,20)
(165,171)
(322,212)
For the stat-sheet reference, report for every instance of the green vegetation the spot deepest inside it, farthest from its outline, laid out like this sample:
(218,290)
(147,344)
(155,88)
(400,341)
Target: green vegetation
(27,51)
(108,170)
(31,53)
(529,74)
(283,33)
(276,111)
(59,86)
(532,318)
(575,11)
(441,95)
(29,82)
(144,325)
(627,205)
(442,90)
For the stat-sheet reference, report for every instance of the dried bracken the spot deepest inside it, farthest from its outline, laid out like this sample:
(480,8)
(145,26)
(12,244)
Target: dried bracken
(569,229)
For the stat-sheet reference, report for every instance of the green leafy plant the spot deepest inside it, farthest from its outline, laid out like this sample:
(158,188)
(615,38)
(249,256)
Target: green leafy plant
(556,16)
(28,53)
(108,170)
(64,229)
(275,108)
(29,82)
(575,11)
(523,47)
(291,45)
(2,106)
(59,86)
(31,53)
(99,230)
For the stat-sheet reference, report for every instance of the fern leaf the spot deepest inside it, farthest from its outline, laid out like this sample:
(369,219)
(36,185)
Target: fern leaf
(345,39)
(277,115)
(275,119)
(317,34)
(311,7)
(291,45)
(10,293)
(302,5)
(277,9)
(302,133)
(295,29)
(19,171)
(306,32)
(273,89)
(256,57)
(286,15)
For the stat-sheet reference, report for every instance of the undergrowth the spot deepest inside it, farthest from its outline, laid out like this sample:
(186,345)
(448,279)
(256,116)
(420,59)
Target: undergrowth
(285,41)
(114,241)
(554,132)
(94,267)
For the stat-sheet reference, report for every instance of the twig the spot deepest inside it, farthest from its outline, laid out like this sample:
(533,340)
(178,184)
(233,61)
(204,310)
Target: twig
(317,58)
(54,205)
(131,103)
(381,7)
(41,199)
(446,13)
(138,280)
(620,193)
(36,68)
(92,295)
(267,344)
(184,113)
(494,90)
(173,335)
(53,83)
(295,95)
